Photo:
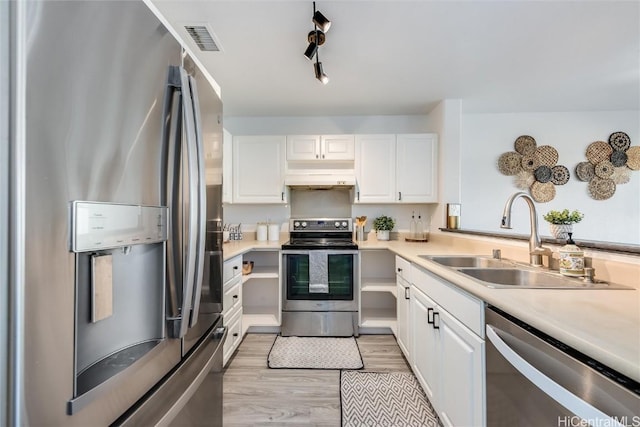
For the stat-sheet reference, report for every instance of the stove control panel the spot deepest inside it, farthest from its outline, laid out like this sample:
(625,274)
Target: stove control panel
(321,224)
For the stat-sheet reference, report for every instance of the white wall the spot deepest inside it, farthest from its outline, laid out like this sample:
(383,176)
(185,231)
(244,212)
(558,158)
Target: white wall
(484,189)
(325,125)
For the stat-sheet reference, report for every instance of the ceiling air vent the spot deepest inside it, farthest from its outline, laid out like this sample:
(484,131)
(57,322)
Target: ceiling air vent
(203,38)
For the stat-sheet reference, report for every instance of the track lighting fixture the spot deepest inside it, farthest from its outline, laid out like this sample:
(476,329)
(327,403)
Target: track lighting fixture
(320,75)
(321,21)
(316,38)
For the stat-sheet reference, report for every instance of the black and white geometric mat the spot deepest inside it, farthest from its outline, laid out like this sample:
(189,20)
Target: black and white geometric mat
(384,399)
(314,353)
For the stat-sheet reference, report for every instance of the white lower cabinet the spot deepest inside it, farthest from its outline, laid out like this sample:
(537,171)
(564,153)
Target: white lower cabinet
(403,307)
(234,336)
(448,355)
(232,305)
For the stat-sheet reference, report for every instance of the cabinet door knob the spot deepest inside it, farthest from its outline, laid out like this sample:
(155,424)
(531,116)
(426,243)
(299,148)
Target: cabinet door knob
(235,296)
(399,269)
(235,267)
(316,156)
(235,334)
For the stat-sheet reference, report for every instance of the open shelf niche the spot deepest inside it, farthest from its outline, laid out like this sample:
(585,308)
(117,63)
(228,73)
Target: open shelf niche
(261,300)
(377,289)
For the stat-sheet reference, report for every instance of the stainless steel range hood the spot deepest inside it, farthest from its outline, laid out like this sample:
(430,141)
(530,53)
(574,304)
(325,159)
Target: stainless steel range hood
(320,181)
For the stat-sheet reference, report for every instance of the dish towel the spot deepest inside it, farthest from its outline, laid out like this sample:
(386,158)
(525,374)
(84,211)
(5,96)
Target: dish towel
(318,272)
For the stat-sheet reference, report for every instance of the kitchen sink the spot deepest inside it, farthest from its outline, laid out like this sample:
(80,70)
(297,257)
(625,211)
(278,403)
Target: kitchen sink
(524,278)
(461,261)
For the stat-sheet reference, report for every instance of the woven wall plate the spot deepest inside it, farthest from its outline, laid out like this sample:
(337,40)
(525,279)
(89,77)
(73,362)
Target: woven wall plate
(525,145)
(619,141)
(547,155)
(542,173)
(618,158)
(633,158)
(560,175)
(585,171)
(601,189)
(510,163)
(598,151)
(621,175)
(543,192)
(523,180)
(530,162)
(604,169)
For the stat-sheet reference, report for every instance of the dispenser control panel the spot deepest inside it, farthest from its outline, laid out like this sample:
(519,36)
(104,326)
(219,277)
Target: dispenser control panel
(98,225)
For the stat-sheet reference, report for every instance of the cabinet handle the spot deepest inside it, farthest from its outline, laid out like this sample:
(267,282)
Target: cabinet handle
(436,326)
(282,196)
(235,334)
(235,267)
(235,296)
(316,156)
(406,293)
(323,156)
(399,195)
(429,316)
(399,269)
(358,195)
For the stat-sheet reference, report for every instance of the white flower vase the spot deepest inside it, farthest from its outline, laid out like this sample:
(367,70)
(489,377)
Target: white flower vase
(561,231)
(382,234)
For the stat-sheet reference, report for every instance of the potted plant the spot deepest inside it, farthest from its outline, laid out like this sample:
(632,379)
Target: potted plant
(383,225)
(561,222)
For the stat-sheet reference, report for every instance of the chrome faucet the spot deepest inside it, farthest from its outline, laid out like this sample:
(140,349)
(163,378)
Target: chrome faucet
(536,251)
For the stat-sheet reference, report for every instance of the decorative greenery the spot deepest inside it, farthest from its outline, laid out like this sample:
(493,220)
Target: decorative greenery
(563,217)
(384,223)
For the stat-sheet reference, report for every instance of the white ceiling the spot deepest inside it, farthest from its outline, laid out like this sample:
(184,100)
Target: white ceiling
(402,57)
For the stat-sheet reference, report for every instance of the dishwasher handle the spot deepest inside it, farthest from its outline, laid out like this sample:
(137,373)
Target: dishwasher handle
(551,388)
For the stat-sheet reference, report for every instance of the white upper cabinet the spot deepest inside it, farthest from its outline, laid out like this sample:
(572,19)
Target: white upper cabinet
(320,147)
(227,179)
(258,169)
(397,168)
(375,167)
(417,168)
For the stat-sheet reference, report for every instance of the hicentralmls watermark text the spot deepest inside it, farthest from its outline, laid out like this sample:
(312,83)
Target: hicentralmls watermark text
(574,421)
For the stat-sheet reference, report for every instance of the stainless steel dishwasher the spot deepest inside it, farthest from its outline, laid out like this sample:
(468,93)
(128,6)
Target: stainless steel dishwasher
(534,380)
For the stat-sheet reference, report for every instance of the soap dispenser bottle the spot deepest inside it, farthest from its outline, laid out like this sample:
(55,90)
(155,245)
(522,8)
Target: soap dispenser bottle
(412,226)
(571,259)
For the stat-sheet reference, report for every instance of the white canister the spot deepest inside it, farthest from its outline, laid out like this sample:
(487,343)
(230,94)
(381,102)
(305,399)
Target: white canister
(261,232)
(274,232)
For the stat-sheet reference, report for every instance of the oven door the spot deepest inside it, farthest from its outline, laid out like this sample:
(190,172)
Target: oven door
(320,280)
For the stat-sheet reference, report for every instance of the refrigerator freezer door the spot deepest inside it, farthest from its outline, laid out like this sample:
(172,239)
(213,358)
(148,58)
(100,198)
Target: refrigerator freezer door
(191,395)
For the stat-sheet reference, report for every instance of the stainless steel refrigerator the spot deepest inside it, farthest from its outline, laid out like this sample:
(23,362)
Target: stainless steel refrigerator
(114,237)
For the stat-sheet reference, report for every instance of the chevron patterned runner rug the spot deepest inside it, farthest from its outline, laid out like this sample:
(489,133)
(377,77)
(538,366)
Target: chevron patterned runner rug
(315,353)
(391,399)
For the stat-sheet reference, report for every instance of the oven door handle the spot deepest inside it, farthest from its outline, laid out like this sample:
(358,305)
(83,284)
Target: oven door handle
(327,251)
(551,388)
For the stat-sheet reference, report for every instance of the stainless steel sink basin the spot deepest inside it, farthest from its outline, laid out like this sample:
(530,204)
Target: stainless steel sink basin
(522,278)
(460,261)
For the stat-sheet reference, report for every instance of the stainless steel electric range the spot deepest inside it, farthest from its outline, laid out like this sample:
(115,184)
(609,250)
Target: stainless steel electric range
(320,278)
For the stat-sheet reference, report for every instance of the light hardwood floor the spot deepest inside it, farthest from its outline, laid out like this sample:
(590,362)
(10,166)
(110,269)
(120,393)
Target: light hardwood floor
(255,395)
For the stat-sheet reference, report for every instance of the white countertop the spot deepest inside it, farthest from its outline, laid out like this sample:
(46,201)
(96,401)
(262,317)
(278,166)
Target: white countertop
(601,323)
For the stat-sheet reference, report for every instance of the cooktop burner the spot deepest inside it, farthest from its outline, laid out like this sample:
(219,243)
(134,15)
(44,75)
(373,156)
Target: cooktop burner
(320,233)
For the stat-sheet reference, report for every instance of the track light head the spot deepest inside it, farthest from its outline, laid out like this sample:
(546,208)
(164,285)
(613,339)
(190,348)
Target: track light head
(320,75)
(321,21)
(315,38)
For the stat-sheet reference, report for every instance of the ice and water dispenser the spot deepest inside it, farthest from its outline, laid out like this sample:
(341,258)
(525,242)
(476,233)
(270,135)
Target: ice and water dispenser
(120,288)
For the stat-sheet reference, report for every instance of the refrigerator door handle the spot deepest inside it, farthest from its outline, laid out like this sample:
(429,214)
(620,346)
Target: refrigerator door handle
(173,113)
(189,272)
(202,207)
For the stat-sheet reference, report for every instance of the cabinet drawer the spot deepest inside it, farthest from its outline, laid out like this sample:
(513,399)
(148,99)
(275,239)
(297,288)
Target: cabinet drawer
(234,336)
(403,268)
(232,298)
(232,268)
(466,308)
